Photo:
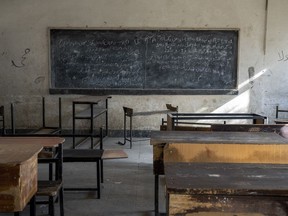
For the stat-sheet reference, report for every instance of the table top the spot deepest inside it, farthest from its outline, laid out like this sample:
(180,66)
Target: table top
(17,153)
(216,116)
(45,142)
(91,99)
(16,150)
(160,137)
(221,178)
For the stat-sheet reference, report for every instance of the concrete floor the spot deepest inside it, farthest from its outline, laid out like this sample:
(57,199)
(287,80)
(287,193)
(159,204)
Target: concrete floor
(128,187)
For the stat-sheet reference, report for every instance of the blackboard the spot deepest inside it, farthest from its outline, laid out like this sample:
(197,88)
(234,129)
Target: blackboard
(143,61)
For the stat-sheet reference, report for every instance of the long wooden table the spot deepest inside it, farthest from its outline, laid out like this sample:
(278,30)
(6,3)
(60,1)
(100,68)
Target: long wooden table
(19,169)
(226,189)
(191,146)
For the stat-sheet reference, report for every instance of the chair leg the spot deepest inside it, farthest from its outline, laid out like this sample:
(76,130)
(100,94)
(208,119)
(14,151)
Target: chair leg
(16,213)
(102,171)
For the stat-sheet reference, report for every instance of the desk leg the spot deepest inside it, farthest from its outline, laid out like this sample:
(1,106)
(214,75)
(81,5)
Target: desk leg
(33,206)
(156,194)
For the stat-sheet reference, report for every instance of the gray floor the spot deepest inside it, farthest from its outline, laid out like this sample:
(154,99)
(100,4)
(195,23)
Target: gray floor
(128,187)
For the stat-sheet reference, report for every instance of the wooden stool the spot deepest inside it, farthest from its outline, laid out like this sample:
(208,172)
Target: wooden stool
(85,155)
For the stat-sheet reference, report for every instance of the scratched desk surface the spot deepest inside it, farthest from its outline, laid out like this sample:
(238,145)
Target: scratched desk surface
(226,178)
(160,137)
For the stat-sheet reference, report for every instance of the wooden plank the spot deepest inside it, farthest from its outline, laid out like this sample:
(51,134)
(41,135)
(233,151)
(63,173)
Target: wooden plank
(228,153)
(186,205)
(114,154)
(158,137)
(229,188)
(247,127)
(40,141)
(18,184)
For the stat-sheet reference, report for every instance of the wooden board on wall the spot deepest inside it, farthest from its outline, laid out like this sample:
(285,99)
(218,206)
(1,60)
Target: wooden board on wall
(143,61)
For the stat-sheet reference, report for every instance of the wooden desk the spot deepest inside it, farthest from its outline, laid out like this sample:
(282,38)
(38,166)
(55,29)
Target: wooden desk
(214,146)
(18,169)
(238,189)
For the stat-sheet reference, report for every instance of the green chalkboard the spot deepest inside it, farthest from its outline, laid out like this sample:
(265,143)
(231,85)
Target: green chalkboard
(143,61)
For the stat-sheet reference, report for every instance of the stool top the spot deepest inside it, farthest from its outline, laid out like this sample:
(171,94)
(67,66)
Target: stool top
(82,155)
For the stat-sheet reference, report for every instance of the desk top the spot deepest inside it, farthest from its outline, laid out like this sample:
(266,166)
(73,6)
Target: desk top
(221,178)
(44,142)
(16,150)
(12,154)
(160,137)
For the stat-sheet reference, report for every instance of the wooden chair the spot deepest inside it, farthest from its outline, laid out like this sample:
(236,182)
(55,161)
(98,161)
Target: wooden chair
(87,155)
(2,120)
(53,187)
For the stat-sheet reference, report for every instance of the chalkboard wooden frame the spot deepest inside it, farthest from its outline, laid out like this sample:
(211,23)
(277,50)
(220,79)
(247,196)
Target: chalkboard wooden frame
(67,75)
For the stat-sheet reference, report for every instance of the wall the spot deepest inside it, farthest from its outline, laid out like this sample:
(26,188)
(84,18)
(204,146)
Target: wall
(24,49)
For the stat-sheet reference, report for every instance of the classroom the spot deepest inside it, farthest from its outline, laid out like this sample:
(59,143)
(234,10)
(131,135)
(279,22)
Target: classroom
(145,66)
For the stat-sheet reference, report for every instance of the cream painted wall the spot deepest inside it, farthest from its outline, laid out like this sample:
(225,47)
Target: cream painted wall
(24,40)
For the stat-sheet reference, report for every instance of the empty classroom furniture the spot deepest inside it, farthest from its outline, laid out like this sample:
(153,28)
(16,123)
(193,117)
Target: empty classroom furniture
(243,173)
(52,188)
(45,130)
(19,169)
(206,144)
(223,188)
(129,113)
(90,109)
(18,174)
(95,156)
(175,119)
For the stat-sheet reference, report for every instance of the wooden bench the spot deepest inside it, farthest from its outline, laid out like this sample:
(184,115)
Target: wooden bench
(129,113)
(227,173)
(203,121)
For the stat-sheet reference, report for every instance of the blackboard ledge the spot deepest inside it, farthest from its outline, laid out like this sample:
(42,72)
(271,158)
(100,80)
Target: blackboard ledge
(144,91)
